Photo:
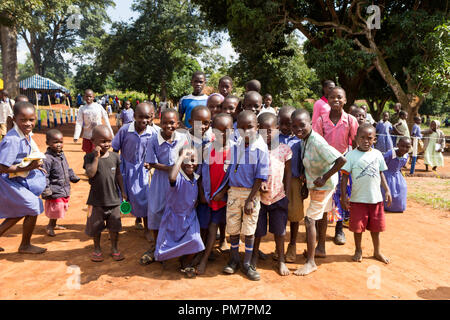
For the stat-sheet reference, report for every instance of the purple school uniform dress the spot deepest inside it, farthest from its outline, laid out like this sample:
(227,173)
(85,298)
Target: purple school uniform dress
(127,116)
(19,196)
(133,149)
(384,139)
(289,140)
(163,152)
(179,232)
(395,181)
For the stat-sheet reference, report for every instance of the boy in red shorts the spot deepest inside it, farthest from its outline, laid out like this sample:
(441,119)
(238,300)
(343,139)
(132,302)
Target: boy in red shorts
(366,164)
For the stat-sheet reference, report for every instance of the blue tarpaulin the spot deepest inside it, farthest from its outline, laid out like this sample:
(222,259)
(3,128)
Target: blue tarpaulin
(40,83)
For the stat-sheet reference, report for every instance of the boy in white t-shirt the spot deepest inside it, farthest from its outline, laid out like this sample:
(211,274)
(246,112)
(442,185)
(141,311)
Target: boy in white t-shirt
(366,165)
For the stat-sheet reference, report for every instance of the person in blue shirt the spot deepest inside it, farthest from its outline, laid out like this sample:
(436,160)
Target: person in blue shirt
(197,98)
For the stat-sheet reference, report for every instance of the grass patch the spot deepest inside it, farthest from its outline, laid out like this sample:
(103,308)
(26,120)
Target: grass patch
(432,192)
(432,200)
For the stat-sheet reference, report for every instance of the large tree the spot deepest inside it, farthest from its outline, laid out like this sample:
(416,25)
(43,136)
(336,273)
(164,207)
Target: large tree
(407,51)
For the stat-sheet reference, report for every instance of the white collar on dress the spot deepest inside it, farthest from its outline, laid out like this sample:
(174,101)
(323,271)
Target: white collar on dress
(19,132)
(196,175)
(161,140)
(257,144)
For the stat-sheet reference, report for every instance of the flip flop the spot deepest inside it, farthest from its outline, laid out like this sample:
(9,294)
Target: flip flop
(58,227)
(97,256)
(117,256)
(190,272)
(50,232)
(147,258)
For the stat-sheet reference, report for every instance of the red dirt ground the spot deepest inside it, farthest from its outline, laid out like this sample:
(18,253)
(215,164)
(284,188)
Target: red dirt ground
(417,242)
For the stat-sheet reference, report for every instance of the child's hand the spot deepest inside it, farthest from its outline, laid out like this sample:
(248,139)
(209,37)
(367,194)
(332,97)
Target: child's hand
(303,178)
(97,151)
(186,153)
(35,164)
(264,187)
(248,208)
(147,166)
(320,182)
(344,203)
(388,198)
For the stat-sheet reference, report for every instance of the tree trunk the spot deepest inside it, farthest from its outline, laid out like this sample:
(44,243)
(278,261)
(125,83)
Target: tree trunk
(9,59)
(163,93)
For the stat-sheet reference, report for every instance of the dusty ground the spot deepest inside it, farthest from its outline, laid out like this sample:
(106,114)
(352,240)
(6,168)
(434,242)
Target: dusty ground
(417,241)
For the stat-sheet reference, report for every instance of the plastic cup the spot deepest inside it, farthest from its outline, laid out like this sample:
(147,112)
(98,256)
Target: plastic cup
(125,207)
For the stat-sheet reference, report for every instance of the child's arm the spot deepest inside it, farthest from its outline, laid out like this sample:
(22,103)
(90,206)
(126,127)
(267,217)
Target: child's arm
(35,164)
(221,194)
(78,125)
(338,164)
(287,177)
(91,168)
(119,181)
(387,193)
(175,169)
(344,199)
(249,202)
(201,192)
(162,167)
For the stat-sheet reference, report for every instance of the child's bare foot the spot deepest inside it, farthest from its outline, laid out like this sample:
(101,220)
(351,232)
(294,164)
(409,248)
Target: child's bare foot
(357,256)
(306,269)
(282,269)
(434,168)
(317,254)
(201,268)
(381,257)
(31,249)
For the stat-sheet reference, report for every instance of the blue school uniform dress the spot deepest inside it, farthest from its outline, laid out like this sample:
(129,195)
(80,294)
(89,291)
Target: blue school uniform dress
(127,116)
(289,140)
(179,232)
(384,139)
(133,148)
(19,196)
(163,152)
(395,181)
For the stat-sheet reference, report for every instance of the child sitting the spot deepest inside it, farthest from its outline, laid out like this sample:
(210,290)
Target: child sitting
(274,191)
(249,168)
(366,165)
(179,231)
(59,176)
(395,160)
(103,170)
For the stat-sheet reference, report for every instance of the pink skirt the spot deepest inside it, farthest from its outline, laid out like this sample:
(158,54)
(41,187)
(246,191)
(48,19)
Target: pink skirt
(56,208)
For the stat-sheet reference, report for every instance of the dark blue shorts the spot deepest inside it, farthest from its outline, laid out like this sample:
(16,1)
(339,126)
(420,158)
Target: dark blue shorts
(278,216)
(203,215)
(219,216)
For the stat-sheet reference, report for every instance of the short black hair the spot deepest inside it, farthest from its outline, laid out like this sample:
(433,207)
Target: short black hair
(198,109)
(251,93)
(226,78)
(231,97)
(253,85)
(221,116)
(170,110)
(245,115)
(404,139)
(300,112)
(365,126)
(267,116)
(267,95)
(402,113)
(21,96)
(286,110)
(21,105)
(52,133)
(326,83)
(198,73)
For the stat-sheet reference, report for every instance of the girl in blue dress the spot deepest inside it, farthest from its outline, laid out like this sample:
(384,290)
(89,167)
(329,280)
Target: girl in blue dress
(395,160)
(22,179)
(383,129)
(179,232)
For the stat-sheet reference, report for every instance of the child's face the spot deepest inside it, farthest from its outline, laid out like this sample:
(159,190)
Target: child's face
(403,147)
(56,143)
(285,124)
(404,116)
(268,101)
(189,165)
(220,131)
(214,105)
(385,116)
(103,140)
(248,128)
(418,121)
(229,106)
(89,97)
(360,115)
(327,89)
(253,103)
(202,117)
(127,105)
(143,118)
(25,120)
(301,126)
(365,139)
(269,131)
(337,99)
(198,84)
(433,126)
(169,123)
(225,87)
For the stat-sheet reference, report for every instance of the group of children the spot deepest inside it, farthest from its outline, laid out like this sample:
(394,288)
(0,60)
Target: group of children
(218,163)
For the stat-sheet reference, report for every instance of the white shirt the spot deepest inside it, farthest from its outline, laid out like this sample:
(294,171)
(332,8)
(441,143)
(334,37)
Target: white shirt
(90,116)
(5,111)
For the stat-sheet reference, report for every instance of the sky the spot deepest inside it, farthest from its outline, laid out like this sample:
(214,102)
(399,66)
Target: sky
(122,12)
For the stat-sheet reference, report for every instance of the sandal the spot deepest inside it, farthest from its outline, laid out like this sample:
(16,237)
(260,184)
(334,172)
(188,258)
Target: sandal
(117,256)
(50,232)
(58,227)
(190,272)
(147,258)
(97,256)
